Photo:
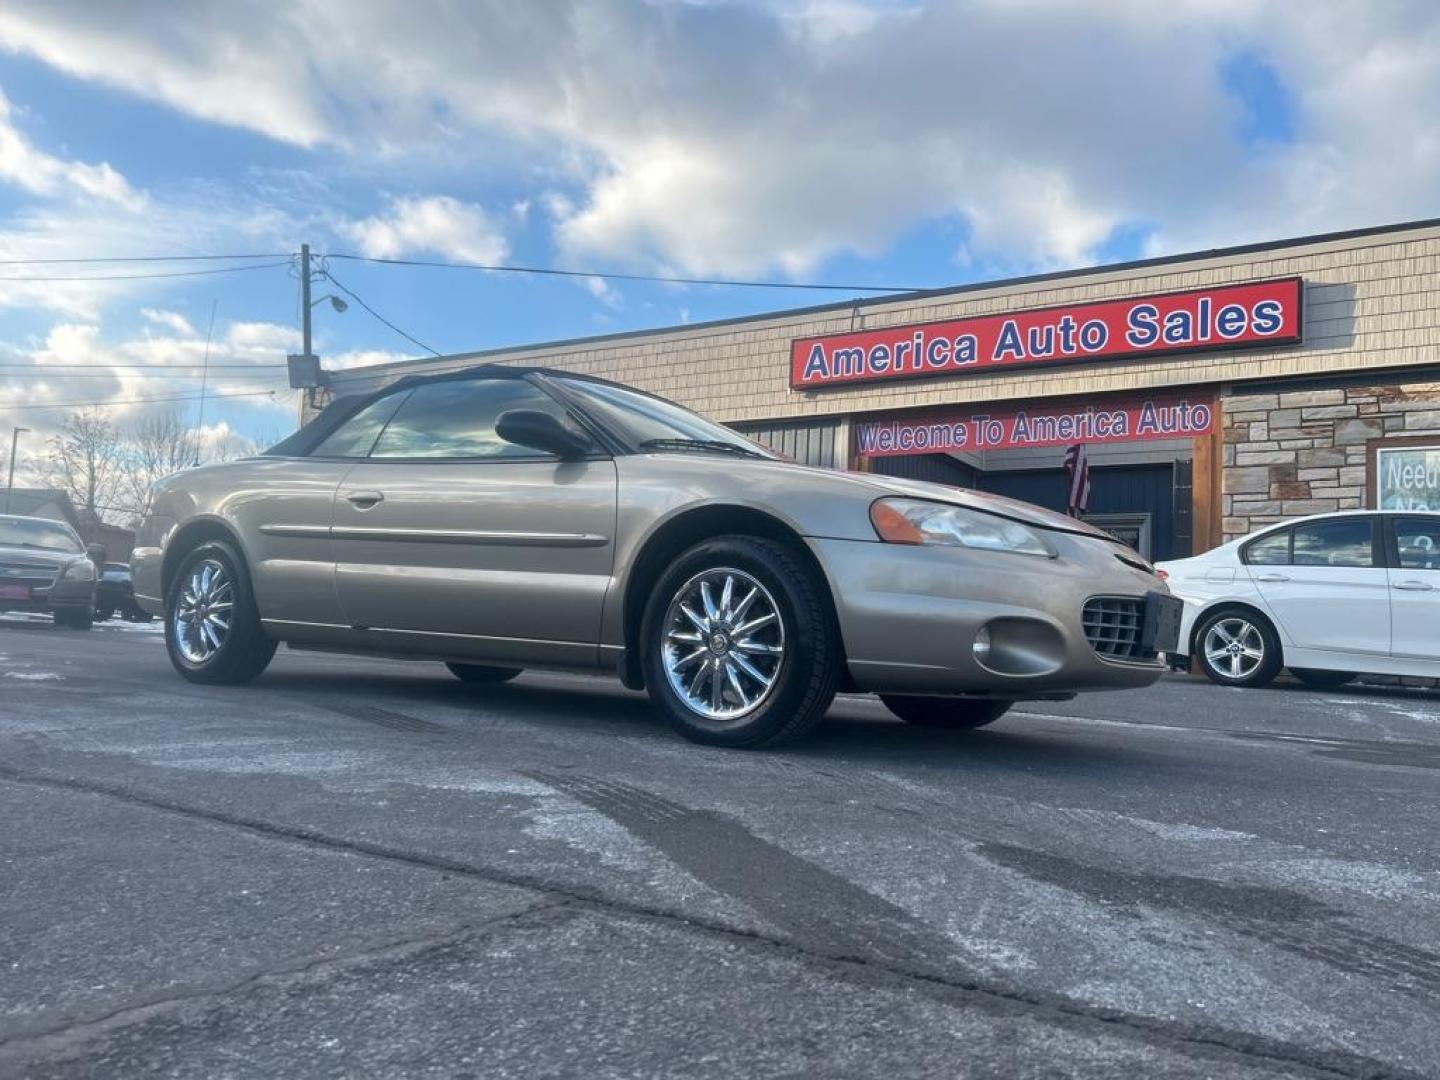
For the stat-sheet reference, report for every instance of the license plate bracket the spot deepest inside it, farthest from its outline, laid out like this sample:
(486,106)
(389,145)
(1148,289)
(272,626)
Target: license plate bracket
(1160,631)
(15,592)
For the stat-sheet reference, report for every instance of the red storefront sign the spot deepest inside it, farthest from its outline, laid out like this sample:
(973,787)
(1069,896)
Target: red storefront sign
(1062,423)
(1225,317)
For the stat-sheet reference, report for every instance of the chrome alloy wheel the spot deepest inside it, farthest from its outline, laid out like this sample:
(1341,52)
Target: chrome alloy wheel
(1234,647)
(724,644)
(202,612)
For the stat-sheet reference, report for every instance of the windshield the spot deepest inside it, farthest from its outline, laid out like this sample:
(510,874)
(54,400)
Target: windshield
(654,423)
(39,533)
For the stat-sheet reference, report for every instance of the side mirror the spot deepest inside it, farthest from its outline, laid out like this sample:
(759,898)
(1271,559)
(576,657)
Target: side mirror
(541,431)
(96,553)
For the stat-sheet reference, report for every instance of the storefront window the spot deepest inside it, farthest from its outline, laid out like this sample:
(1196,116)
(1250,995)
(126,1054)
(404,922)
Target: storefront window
(1407,477)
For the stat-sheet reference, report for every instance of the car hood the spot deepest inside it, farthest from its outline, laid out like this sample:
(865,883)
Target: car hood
(36,556)
(983,501)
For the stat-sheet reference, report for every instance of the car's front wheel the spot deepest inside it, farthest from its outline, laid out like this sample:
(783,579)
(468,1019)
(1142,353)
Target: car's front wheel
(1237,647)
(945,713)
(80,619)
(739,643)
(212,626)
(482,675)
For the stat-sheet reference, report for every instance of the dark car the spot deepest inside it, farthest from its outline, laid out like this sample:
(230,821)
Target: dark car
(45,566)
(115,594)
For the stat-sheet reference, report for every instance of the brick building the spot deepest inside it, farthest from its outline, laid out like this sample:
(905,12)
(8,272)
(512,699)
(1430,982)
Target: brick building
(1215,391)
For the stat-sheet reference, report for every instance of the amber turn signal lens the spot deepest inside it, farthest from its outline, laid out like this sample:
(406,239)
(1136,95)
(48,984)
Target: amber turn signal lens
(893,526)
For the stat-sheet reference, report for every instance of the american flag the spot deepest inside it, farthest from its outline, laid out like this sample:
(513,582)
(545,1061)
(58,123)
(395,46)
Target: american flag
(1077,468)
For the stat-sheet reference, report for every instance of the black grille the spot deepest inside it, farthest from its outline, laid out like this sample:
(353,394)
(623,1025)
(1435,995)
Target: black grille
(1114,625)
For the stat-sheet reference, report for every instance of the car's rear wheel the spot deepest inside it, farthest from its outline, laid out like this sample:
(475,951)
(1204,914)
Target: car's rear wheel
(480,674)
(1238,647)
(1316,679)
(739,643)
(212,626)
(945,713)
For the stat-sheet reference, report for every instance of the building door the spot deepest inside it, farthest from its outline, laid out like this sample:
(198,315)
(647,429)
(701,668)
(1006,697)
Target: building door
(1415,589)
(1125,494)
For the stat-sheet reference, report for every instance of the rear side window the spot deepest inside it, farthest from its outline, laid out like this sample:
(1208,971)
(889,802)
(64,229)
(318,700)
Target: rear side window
(1418,541)
(457,420)
(1343,542)
(1272,550)
(355,437)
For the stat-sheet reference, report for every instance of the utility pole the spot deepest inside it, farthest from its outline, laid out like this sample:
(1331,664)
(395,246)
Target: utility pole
(305,301)
(10,483)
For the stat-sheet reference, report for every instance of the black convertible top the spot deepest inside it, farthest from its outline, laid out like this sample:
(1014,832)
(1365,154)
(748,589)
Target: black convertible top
(342,408)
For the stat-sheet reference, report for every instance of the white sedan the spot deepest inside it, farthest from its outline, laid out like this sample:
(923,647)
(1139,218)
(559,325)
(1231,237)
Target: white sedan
(1330,597)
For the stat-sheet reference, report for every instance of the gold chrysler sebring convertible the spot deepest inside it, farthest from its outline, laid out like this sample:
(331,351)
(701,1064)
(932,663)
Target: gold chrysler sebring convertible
(503,518)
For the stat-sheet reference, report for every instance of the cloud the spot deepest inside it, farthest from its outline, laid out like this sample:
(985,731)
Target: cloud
(34,170)
(169,320)
(433,225)
(132,377)
(739,138)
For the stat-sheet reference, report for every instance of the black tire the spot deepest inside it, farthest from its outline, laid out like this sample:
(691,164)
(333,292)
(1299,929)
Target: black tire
(1249,676)
(478,674)
(805,678)
(102,614)
(1316,679)
(246,649)
(945,713)
(82,619)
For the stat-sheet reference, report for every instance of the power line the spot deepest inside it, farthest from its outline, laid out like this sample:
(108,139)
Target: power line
(156,366)
(136,401)
(142,277)
(414,341)
(140,259)
(630,277)
(39,376)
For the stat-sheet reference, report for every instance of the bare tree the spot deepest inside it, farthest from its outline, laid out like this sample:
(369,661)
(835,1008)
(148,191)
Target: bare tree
(86,461)
(156,447)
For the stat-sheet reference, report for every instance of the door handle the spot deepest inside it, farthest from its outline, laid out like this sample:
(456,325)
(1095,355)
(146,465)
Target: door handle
(364,500)
(1412,586)
(1271,577)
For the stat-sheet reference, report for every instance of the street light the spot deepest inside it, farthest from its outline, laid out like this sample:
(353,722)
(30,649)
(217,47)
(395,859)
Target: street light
(339,305)
(10,483)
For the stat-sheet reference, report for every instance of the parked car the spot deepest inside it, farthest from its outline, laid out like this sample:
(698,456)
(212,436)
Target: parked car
(1329,597)
(501,518)
(45,566)
(115,594)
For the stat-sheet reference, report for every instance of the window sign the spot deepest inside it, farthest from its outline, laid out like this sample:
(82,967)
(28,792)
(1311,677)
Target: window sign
(1408,478)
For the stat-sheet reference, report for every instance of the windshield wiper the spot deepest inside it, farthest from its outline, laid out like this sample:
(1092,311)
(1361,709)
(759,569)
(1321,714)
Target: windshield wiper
(717,446)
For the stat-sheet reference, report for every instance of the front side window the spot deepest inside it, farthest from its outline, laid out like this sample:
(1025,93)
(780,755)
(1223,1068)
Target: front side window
(1418,541)
(355,437)
(456,419)
(1272,550)
(1344,542)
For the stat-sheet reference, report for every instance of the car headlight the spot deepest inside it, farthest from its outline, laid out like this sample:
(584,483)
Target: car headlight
(80,570)
(914,521)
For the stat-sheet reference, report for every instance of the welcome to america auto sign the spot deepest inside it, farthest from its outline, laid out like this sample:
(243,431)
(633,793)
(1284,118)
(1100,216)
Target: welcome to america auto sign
(1225,317)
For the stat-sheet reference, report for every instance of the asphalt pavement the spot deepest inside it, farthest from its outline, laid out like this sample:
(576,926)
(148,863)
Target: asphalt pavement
(359,867)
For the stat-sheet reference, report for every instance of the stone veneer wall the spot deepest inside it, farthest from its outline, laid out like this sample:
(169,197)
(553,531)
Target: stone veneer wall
(1304,451)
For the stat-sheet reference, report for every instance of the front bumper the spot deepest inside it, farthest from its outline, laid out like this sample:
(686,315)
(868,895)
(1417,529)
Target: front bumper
(910,616)
(61,596)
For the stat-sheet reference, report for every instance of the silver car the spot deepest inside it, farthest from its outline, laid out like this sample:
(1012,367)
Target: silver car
(502,518)
(46,567)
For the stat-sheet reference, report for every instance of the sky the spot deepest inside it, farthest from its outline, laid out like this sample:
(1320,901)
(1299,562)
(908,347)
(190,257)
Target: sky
(856,142)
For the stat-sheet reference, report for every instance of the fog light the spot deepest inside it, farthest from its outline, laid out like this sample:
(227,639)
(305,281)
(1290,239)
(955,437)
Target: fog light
(981,648)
